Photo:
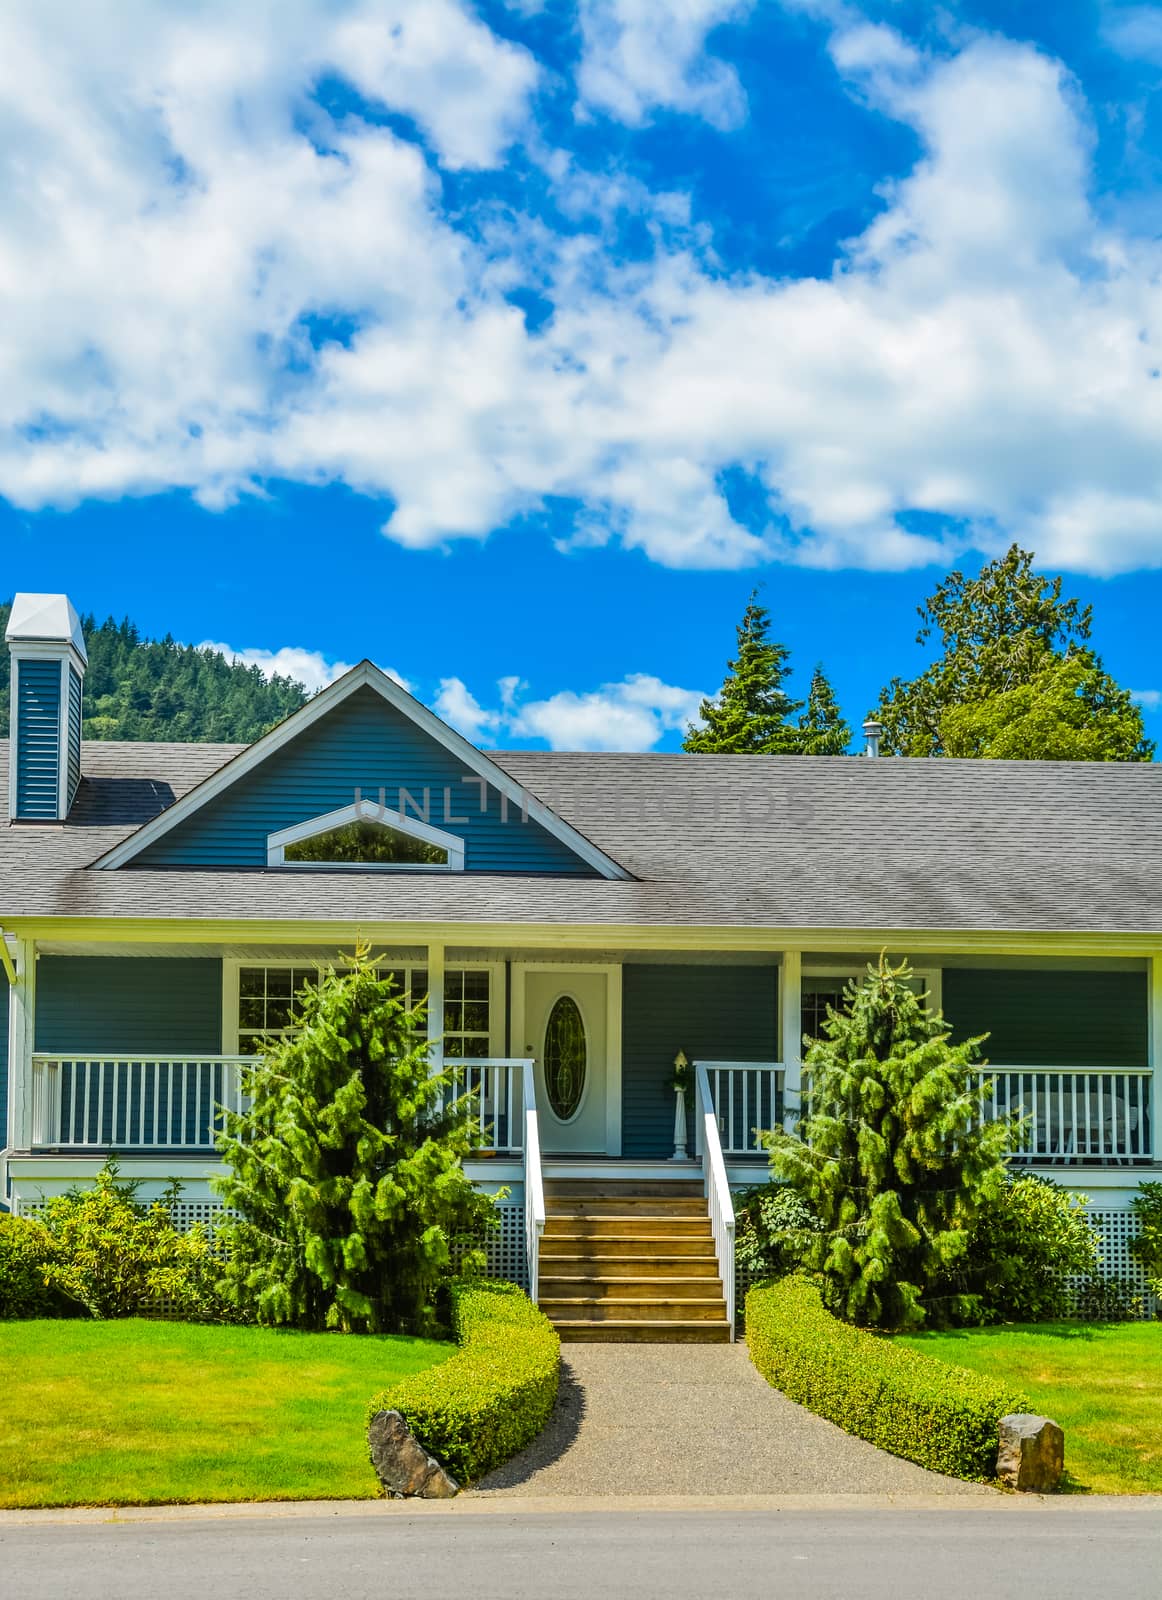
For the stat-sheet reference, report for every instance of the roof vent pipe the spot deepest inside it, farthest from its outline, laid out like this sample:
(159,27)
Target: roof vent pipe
(873,732)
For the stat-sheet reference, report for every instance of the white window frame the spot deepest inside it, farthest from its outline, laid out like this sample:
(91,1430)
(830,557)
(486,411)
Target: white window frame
(931,977)
(497,997)
(366,811)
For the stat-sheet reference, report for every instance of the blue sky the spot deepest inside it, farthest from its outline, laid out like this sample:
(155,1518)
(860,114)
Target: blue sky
(512,345)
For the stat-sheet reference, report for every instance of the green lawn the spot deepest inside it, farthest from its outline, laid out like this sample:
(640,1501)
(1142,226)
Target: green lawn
(130,1413)
(1101,1381)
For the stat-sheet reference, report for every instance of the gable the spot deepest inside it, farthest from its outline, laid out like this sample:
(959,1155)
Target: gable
(363,746)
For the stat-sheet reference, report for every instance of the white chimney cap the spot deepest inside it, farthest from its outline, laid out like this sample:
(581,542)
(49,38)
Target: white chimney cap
(46,619)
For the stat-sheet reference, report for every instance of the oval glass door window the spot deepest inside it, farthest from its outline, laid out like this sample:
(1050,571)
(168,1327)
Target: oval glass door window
(565,1058)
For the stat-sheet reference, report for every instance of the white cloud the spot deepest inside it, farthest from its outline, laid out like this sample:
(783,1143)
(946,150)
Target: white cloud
(309,667)
(177,213)
(457,705)
(1134,31)
(631,715)
(640,56)
(1148,699)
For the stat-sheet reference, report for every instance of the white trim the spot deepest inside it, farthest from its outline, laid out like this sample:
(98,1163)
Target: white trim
(366,811)
(21,1039)
(611,970)
(366,674)
(435,1017)
(791,1018)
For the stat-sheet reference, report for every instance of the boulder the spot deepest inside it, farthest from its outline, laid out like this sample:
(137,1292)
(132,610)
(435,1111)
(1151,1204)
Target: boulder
(405,1468)
(1032,1453)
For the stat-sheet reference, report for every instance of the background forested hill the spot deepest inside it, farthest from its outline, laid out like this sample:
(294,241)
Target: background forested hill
(139,688)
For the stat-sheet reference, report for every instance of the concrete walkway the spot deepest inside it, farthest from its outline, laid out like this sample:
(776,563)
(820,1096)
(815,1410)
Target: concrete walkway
(676,1419)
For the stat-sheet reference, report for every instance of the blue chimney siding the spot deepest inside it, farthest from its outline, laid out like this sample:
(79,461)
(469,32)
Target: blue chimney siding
(74,733)
(361,744)
(38,740)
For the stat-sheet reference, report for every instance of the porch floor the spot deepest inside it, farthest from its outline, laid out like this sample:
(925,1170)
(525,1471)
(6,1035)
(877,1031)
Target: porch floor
(643,1419)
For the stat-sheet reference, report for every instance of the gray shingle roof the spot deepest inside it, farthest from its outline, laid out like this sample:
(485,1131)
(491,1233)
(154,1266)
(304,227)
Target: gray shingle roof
(745,841)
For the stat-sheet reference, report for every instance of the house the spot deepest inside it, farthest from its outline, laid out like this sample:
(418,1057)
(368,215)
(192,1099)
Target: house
(576,921)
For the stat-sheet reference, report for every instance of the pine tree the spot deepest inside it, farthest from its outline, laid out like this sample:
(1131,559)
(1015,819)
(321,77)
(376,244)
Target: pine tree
(345,1173)
(822,730)
(892,1154)
(751,713)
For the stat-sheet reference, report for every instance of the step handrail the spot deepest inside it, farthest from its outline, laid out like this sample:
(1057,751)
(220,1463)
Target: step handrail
(534,1183)
(717,1186)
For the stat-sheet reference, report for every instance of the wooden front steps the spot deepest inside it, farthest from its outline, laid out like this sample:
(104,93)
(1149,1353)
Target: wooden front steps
(630,1262)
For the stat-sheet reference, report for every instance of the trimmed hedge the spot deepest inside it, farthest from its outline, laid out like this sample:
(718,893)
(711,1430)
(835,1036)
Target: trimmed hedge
(940,1416)
(492,1397)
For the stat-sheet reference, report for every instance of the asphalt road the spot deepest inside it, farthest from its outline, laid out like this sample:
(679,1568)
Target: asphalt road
(1112,1551)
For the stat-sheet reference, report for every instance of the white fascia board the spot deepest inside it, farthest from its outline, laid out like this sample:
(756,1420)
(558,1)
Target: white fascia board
(366,811)
(368,675)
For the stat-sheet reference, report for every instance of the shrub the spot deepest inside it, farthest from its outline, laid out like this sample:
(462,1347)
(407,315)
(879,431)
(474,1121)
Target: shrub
(1023,1249)
(495,1394)
(113,1255)
(773,1228)
(940,1416)
(1099,1299)
(24,1249)
(1147,1247)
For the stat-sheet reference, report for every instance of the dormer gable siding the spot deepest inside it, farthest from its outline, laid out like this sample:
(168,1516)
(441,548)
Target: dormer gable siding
(362,745)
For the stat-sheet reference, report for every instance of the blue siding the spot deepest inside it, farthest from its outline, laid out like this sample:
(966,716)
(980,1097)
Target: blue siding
(74,741)
(362,744)
(1051,1019)
(716,1013)
(125,1004)
(38,741)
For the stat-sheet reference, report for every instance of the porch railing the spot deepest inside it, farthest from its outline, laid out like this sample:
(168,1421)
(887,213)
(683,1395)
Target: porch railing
(717,1185)
(500,1088)
(1076,1116)
(1072,1116)
(747,1099)
(92,1101)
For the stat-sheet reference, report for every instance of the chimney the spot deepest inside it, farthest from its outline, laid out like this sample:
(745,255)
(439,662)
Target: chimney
(44,739)
(873,732)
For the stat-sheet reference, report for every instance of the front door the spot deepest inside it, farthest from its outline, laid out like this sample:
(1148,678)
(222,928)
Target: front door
(565,1034)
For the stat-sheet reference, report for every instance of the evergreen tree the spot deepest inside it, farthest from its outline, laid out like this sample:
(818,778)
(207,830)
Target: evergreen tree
(822,730)
(893,1156)
(345,1173)
(751,713)
(151,689)
(1000,631)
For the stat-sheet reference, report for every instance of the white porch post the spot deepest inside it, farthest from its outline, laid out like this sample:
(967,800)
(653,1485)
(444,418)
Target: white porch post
(1155,1046)
(21,1042)
(436,1006)
(791,1014)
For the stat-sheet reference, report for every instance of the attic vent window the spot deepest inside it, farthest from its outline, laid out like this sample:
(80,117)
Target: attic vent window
(365,837)
(367,844)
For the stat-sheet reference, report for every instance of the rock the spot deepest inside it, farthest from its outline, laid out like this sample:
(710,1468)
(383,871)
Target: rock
(405,1468)
(1032,1453)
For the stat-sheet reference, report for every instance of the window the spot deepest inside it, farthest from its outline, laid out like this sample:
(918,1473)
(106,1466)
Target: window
(266,1003)
(565,1058)
(366,837)
(821,991)
(366,844)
